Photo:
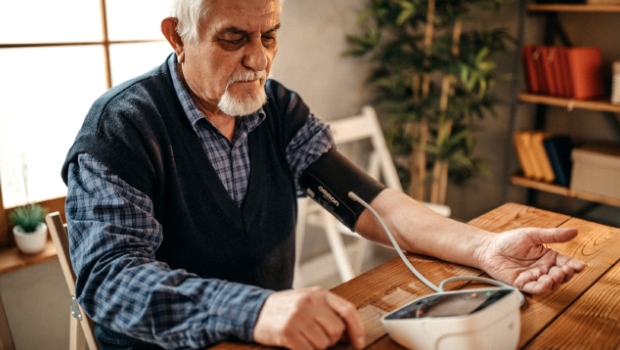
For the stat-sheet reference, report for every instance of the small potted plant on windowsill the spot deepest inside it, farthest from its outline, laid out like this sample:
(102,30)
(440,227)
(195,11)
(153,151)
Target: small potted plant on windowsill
(30,230)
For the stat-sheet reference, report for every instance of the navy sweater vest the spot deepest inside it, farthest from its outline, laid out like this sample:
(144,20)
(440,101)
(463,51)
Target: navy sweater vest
(140,131)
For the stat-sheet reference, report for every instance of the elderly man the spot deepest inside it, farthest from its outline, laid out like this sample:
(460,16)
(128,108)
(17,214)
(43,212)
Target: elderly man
(181,204)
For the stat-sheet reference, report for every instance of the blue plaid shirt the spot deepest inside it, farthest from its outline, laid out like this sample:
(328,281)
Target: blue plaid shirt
(104,212)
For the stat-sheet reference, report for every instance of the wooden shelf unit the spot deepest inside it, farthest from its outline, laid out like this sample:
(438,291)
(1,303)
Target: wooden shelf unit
(572,8)
(520,180)
(553,30)
(602,105)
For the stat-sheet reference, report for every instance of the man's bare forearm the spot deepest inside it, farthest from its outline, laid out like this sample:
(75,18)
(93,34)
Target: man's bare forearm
(420,230)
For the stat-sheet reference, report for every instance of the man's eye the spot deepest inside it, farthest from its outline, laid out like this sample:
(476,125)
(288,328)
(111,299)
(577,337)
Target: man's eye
(269,41)
(238,41)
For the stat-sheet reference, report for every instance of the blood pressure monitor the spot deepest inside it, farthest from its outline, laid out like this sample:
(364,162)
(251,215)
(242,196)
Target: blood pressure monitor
(472,319)
(466,319)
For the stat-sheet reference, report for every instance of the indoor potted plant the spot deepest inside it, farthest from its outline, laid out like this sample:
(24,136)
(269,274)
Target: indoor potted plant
(433,75)
(30,230)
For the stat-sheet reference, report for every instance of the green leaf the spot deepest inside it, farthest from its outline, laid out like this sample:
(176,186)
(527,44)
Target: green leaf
(464,73)
(483,88)
(406,13)
(364,16)
(486,66)
(482,54)
(461,159)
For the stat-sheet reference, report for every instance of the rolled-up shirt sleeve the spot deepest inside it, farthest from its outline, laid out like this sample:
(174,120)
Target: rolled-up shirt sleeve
(310,142)
(113,237)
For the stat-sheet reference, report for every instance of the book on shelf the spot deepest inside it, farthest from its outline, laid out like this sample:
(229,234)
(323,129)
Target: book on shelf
(524,158)
(569,72)
(585,72)
(527,155)
(559,150)
(530,56)
(548,67)
(543,156)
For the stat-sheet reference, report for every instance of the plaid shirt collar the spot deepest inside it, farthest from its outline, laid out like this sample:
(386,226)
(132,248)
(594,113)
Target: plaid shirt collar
(194,114)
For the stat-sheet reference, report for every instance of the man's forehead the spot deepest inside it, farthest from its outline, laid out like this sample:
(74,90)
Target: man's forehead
(248,15)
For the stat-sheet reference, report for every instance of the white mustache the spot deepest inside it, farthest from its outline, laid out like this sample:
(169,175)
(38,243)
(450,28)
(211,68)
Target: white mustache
(248,75)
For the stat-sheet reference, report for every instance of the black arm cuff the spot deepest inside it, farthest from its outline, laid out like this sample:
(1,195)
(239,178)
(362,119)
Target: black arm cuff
(329,180)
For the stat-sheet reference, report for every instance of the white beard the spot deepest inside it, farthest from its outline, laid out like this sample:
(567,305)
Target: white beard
(234,106)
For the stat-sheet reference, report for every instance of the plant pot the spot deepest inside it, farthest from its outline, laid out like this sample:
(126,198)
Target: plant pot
(32,242)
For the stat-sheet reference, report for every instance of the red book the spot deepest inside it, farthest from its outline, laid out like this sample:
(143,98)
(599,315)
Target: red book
(564,72)
(529,70)
(537,57)
(585,72)
(553,58)
(546,60)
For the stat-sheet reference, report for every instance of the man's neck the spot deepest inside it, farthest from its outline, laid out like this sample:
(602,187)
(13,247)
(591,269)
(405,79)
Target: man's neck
(223,122)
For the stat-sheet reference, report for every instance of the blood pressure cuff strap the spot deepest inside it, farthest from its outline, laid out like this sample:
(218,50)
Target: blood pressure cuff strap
(330,179)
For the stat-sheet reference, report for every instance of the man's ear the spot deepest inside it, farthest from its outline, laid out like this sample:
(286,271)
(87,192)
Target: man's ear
(169,29)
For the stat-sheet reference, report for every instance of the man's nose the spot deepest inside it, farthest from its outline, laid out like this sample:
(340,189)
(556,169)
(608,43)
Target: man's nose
(256,55)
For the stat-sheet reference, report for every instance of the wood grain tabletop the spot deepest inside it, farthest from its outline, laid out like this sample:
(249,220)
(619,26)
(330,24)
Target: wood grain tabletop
(582,314)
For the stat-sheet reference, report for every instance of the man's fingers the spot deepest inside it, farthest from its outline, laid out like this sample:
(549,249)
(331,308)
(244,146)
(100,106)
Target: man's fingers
(541,286)
(346,310)
(577,265)
(316,336)
(333,326)
(552,235)
(557,273)
(569,265)
(311,318)
(298,342)
(568,273)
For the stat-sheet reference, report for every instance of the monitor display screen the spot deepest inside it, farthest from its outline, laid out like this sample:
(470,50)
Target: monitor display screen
(450,304)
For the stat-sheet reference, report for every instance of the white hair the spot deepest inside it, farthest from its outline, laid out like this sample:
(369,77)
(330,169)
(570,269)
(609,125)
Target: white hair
(190,14)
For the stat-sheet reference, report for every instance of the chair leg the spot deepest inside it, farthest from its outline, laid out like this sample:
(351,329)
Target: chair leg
(338,248)
(77,341)
(300,232)
(357,260)
(6,339)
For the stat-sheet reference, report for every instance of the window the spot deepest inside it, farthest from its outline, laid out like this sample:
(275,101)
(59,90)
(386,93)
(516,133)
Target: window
(56,58)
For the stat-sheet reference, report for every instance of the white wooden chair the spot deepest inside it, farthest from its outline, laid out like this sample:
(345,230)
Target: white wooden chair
(349,258)
(81,327)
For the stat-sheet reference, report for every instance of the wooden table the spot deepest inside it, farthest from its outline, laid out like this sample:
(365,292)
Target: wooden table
(582,314)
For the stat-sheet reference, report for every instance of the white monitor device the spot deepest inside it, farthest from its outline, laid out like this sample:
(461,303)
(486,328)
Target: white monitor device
(472,319)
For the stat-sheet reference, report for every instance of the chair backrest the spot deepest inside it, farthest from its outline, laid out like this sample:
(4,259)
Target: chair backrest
(58,231)
(366,126)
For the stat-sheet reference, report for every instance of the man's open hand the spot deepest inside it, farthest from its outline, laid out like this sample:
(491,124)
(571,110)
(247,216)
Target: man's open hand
(520,257)
(307,319)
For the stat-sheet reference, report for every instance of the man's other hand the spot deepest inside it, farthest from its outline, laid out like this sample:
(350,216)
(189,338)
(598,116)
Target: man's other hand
(306,319)
(521,258)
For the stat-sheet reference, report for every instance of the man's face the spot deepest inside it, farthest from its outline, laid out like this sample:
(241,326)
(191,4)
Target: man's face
(238,38)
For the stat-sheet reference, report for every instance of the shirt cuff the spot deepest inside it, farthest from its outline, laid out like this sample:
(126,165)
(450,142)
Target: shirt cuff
(235,311)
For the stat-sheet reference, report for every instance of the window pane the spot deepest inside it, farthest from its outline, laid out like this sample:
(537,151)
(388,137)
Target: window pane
(136,19)
(41,112)
(131,60)
(43,21)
